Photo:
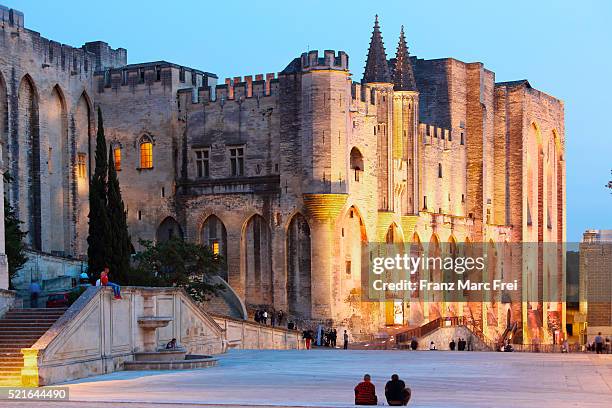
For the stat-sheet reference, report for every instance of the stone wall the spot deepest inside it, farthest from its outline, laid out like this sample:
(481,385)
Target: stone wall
(46,131)
(98,333)
(442,337)
(7,300)
(54,275)
(241,334)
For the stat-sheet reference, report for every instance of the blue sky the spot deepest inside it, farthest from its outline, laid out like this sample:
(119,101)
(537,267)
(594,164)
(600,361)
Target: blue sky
(562,47)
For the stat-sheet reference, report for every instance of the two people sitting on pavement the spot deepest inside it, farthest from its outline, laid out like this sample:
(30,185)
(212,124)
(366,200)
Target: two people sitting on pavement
(396,392)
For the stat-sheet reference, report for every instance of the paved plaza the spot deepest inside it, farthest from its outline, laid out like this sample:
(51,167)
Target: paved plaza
(327,377)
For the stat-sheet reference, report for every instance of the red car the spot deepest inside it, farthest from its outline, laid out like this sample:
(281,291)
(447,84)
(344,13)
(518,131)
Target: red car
(58,300)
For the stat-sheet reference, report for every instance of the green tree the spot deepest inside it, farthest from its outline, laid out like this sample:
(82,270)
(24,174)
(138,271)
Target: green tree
(14,236)
(99,238)
(177,263)
(121,244)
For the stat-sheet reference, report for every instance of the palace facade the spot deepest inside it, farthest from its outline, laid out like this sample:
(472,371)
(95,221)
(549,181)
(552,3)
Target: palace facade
(288,174)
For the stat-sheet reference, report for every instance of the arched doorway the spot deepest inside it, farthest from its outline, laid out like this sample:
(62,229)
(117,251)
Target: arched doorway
(257,261)
(168,229)
(299,275)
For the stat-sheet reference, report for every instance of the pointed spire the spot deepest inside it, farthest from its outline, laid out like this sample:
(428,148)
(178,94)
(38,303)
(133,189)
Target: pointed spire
(377,68)
(403,75)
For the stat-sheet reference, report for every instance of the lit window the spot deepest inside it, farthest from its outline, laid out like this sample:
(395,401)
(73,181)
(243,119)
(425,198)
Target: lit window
(214,245)
(146,154)
(117,158)
(82,165)
(237,161)
(202,165)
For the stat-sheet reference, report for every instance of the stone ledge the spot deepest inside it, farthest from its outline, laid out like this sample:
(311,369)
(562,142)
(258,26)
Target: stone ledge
(187,364)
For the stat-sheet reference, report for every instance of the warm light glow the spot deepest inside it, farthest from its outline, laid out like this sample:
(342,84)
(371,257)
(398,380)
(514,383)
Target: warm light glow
(146,155)
(117,158)
(82,165)
(215,247)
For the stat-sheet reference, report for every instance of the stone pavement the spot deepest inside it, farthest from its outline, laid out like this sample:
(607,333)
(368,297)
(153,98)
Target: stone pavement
(325,378)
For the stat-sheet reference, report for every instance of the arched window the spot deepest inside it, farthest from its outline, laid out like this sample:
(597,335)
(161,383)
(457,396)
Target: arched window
(146,153)
(356,163)
(117,157)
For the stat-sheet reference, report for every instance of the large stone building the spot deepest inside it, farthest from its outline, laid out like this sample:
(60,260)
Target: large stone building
(288,174)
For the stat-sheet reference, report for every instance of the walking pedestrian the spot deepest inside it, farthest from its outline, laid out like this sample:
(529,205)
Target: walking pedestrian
(34,293)
(598,343)
(346,340)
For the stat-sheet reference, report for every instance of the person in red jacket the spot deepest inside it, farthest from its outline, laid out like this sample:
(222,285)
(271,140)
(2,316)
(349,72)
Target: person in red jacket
(103,281)
(365,392)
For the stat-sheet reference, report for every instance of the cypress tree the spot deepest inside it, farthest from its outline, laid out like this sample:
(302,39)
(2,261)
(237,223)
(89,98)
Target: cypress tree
(99,226)
(14,238)
(121,245)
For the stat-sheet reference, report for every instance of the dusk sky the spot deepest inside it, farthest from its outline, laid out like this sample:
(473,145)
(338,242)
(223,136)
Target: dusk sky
(562,47)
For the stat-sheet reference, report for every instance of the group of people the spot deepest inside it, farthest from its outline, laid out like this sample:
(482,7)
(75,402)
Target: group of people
(396,392)
(598,345)
(461,344)
(276,318)
(324,338)
(330,338)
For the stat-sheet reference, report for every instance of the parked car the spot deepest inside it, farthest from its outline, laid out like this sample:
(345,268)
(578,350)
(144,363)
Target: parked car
(58,300)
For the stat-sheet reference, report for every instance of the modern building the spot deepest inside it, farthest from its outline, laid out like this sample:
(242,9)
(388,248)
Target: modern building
(596,282)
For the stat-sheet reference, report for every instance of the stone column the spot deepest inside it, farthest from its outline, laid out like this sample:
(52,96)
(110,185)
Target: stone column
(4,278)
(323,210)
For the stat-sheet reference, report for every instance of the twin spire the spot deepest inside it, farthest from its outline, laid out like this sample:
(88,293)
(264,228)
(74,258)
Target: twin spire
(377,67)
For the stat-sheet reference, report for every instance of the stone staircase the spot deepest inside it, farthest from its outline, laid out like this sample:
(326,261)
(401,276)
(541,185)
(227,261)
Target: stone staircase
(21,328)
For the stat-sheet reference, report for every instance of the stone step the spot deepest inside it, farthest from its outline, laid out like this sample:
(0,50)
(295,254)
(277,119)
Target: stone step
(25,326)
(42,312)
(39,310)
(16,343)
(11,359)
(21,335)
(20,320)
(7,369)
(11,350)
(8,356)
(31,328)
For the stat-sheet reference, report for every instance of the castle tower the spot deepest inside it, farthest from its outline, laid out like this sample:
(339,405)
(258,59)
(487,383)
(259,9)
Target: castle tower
(377,78)
(405,123)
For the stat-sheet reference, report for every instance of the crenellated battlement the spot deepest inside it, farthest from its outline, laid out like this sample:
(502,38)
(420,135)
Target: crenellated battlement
(440,137)
(330,60)
(55,55)
(152,75)
(258,85)
(365,95)
(238,88)
(11,16)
